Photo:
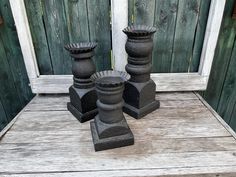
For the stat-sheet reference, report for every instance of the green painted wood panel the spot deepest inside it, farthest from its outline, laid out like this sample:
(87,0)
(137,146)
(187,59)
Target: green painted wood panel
(57,35)
(36,22)
(12,48)
(222,57)
(3,118)
(14,84)
(200,34)
(56,23)
(232,122)
(228,94)
(165,21)
(8,92)
(77,20)
(99,31)
(180,31)
(186,24)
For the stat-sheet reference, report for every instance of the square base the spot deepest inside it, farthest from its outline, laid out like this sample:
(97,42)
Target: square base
(111,142)
(139,113)
(82,117)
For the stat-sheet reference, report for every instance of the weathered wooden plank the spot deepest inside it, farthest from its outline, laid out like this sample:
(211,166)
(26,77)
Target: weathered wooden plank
(64,120)
(71,162)
(143,12)
(165,20)
(99,30)
(228,93)
(232,121)
(13,53)
(227,127)
(60,104)
(57,35)
(140,148)
(199,34)
(224,171)
(166,82)
(8,92)
(77,20)
(36,22)
(186,23)
(223,50)
(3,118)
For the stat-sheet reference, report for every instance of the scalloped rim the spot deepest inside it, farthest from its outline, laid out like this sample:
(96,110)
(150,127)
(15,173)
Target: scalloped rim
(139,30)
(80,47)
(110,73)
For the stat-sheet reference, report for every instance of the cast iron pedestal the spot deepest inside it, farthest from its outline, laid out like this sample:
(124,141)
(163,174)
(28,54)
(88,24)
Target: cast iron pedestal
(140,90)
(82,93)
(109,128)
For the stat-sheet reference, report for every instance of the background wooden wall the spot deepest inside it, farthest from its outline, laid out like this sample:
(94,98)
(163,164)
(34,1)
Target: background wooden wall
(14,84)
(221,90)
(56,23)
(180,31)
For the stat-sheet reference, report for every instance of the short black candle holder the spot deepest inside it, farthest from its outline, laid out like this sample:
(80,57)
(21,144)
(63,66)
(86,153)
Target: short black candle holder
(109,128)
(139,94)
(83,96)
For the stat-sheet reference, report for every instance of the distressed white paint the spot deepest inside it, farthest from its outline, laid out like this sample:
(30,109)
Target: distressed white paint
(119,22)
(211,36)
(164,81)
(24,35)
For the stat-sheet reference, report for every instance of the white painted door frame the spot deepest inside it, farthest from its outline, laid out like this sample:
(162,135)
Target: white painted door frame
(164,81)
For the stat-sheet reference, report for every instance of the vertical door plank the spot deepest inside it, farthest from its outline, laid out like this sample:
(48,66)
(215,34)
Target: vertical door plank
(35,17)
(186,24)
(200,34)
(228,94)
(3,118)
(77,20)
(144,12)
(232,122)
(131,12)
(8,92)
(165,20)
(13,54)
(99,29)
(57,35)
(222,57)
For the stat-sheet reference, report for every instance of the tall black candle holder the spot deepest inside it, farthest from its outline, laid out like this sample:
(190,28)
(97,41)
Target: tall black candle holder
(109,128)
(139,94)
(83,96)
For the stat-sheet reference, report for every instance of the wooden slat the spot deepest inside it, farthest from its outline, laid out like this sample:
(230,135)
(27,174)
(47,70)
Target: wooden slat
(186,23)
(143,12)
(36,22)
(165,82)
(165,20)
(199,35)
(99,30)
(71,162)
(52,103)
(3,118)
(8,93)
(222,57)
(57,35)
(77,20)
(228,92)
(224,171)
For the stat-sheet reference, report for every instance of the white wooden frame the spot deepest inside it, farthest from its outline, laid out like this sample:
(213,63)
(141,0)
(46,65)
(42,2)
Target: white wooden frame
(165,81)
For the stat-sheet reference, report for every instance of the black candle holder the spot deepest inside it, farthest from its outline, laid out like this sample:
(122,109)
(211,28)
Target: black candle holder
(83,96)
(109,128)
(139,94)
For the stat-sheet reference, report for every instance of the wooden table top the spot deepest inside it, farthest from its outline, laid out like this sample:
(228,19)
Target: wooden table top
(185,137)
